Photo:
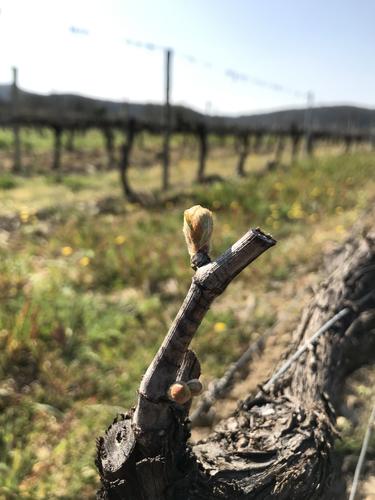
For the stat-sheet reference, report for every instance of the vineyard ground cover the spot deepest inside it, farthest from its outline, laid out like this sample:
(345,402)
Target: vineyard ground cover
(86,297)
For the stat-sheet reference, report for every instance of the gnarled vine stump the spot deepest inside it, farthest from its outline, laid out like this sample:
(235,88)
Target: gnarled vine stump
(279,443)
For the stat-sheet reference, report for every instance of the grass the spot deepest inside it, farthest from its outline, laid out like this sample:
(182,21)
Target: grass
(86,298)
(7,181)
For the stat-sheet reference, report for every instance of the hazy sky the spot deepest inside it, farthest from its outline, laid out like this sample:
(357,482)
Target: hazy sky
(321,45)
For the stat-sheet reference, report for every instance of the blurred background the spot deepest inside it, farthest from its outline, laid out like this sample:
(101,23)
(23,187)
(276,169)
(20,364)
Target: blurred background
(115,117)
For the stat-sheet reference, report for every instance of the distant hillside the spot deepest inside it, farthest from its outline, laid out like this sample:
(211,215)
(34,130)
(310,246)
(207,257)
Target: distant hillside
(80,106)
(327,117)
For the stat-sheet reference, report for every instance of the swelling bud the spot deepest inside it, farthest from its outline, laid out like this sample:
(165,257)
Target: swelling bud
(179,392)
(198,225)
(195,386)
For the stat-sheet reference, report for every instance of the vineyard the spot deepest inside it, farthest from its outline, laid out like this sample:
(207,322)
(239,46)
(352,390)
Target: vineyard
(91,282)
(187,250)
(146,134)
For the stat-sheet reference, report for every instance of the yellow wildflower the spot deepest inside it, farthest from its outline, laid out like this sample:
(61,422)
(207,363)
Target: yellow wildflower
(296,211)
(24,215)
(220,327)
(84,261)
(120,239)
(66,251)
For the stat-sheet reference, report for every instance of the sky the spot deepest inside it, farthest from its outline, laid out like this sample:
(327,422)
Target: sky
(282,48)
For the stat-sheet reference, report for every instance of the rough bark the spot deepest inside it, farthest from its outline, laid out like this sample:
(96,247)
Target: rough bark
(109,146)
(244,151)
(278,444)
(56,163)
(127,147)
(210,280)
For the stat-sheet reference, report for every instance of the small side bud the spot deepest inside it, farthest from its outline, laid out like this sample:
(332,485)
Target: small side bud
(198,226)
(195,386)
(179,392)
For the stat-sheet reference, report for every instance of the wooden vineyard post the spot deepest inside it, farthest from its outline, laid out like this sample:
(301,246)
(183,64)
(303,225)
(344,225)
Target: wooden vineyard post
(203,150)
(16,129)
(310,144)
(167,119)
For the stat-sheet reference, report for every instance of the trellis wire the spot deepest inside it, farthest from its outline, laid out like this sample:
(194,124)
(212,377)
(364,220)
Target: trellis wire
(362,455)
(327,325)
(221,385)
(234,75)
(225,381)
